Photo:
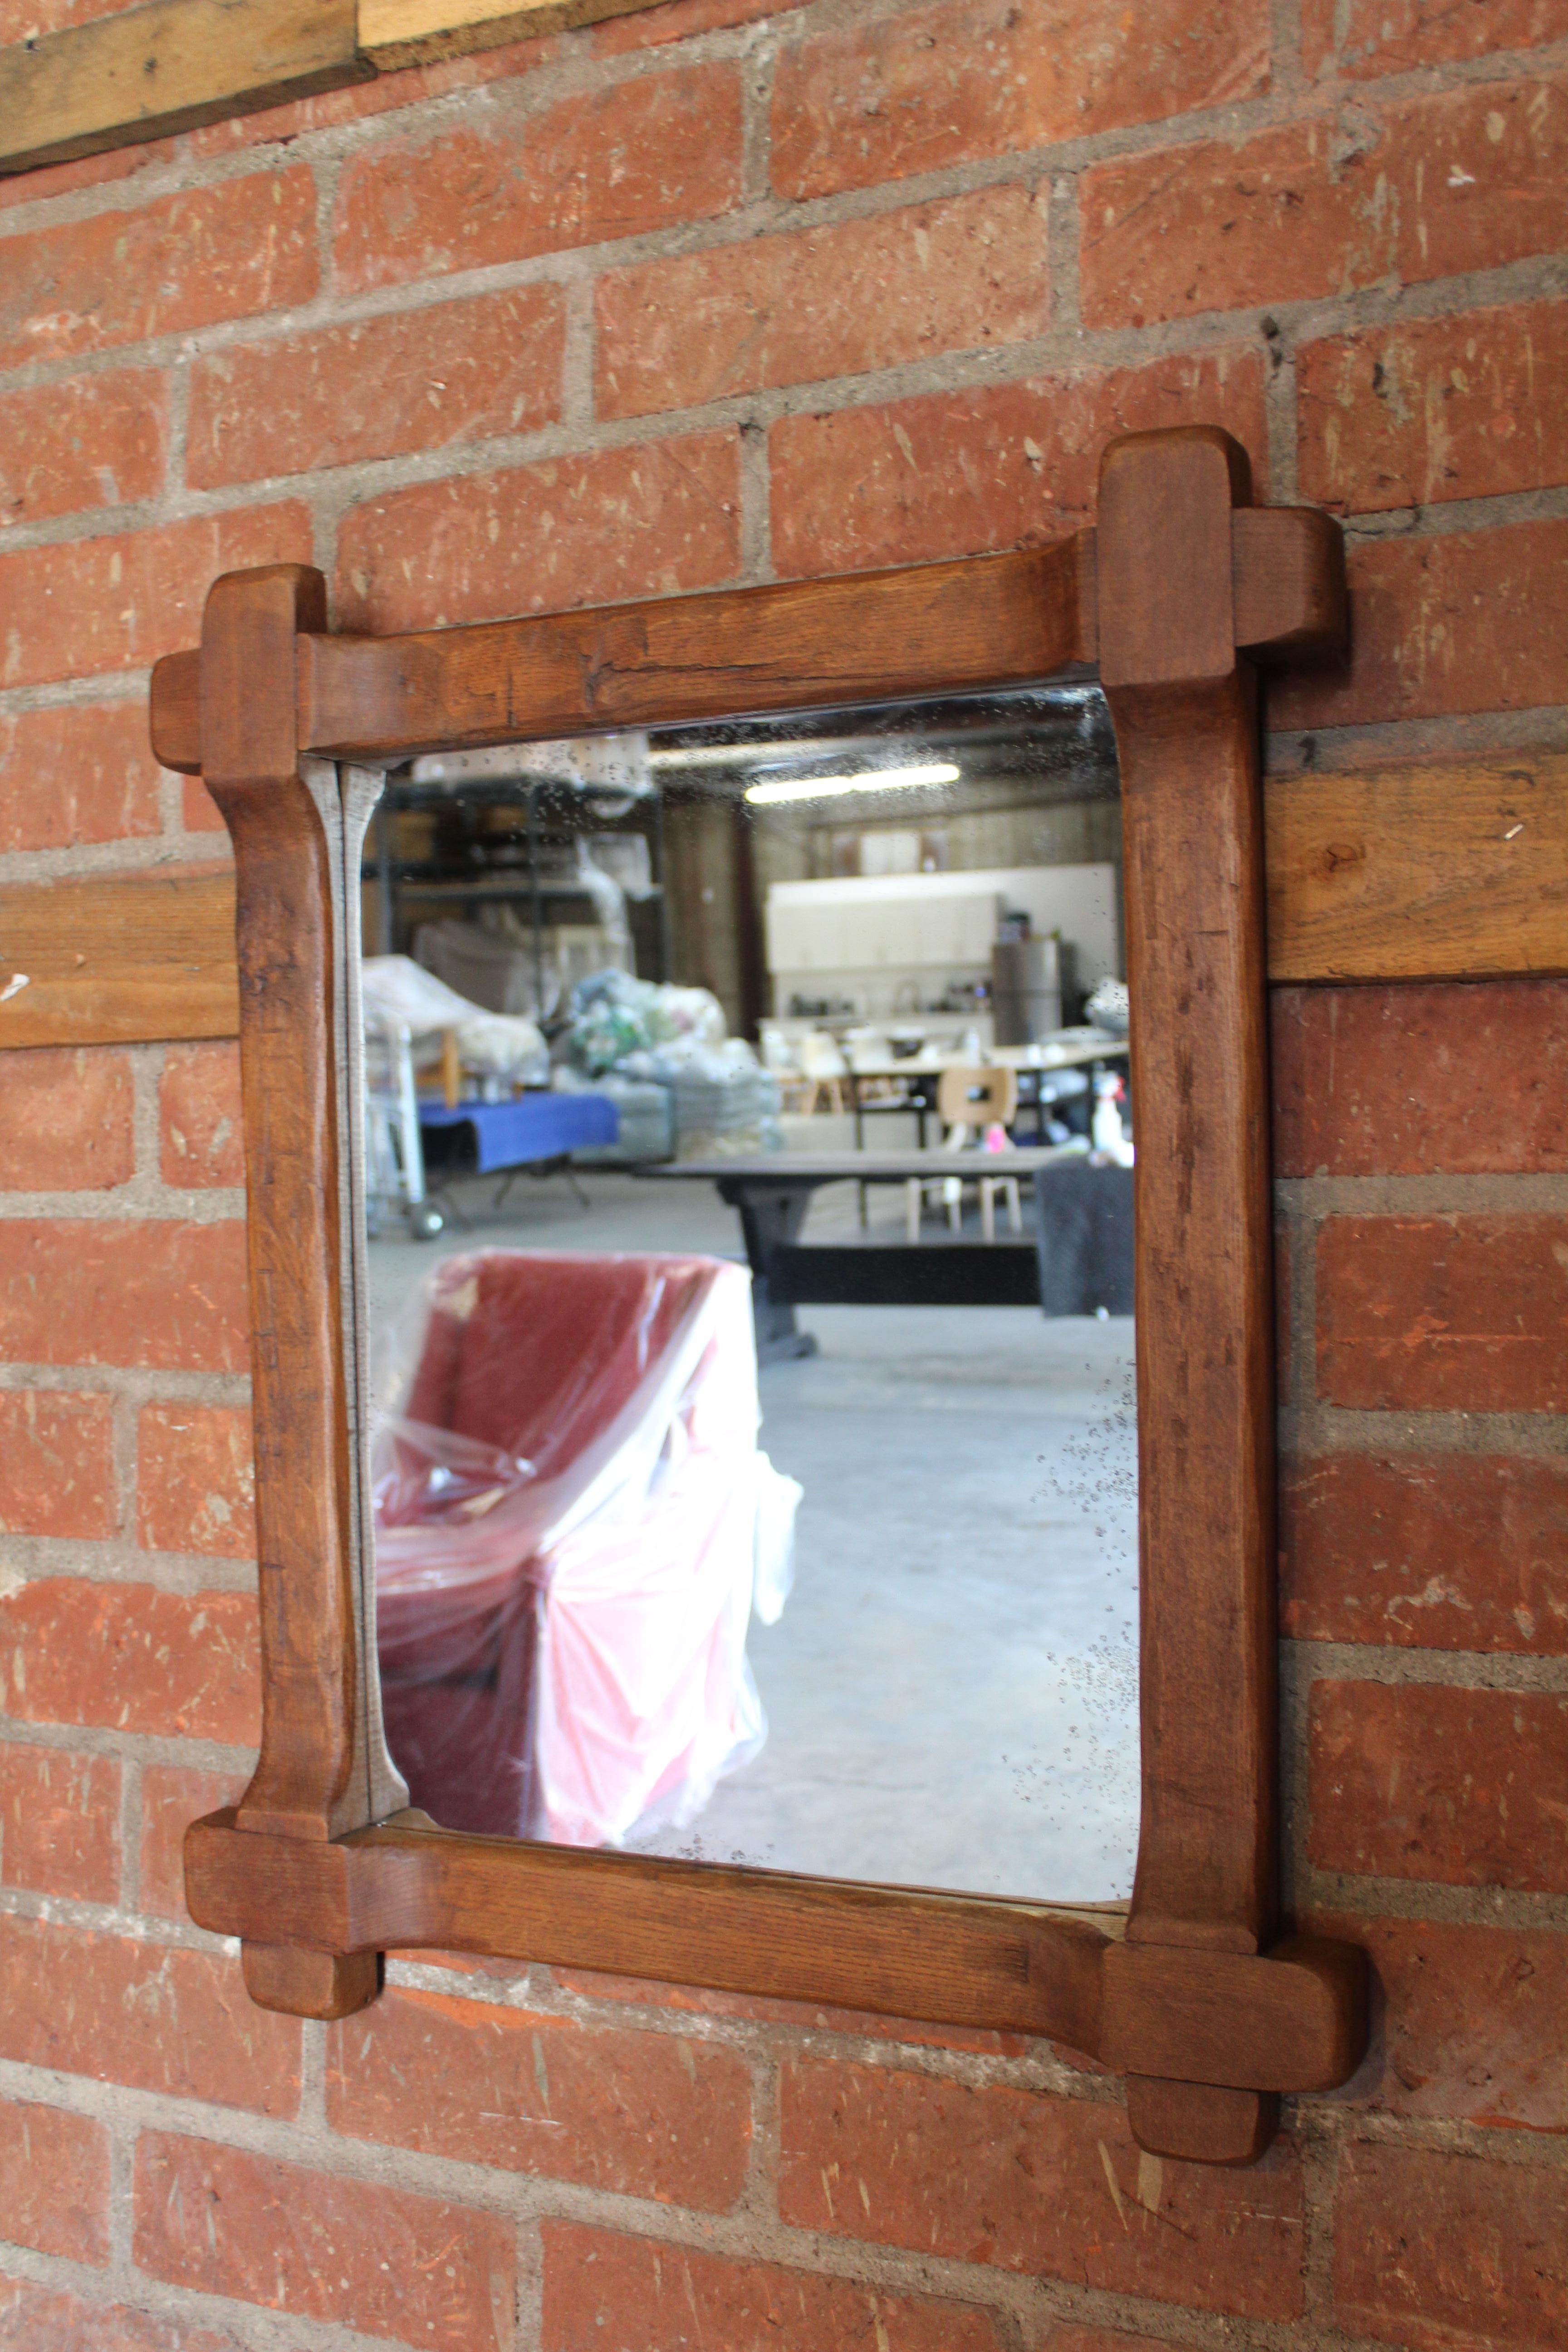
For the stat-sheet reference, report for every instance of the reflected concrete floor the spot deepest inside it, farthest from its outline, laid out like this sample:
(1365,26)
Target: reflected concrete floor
(951,1690)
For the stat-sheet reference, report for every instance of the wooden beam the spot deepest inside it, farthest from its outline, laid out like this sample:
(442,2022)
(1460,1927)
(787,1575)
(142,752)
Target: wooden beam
(118,960)
(419,31)
(168,67)
(1446,870)
(1456,870)
(175,64)
(930,628)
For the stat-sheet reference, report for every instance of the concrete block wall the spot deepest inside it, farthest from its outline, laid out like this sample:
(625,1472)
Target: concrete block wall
(723,293)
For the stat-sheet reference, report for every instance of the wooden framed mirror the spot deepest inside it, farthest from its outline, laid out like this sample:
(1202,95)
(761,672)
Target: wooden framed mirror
(1182,586)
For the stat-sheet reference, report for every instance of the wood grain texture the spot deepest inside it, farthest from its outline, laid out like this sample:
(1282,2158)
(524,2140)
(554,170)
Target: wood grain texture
(407,1885)
(1295,2021)
(118,959)
(1436,870)
(311,1741)
(1185,720)
(941,627)
(1199,2122)
(1431,870)
(298,1982)
(1173,604)
(166,66)
(1184,712)
(418,32)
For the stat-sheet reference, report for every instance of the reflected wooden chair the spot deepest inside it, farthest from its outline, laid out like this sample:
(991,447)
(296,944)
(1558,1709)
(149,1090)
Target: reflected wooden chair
(969,1100)
(824,1066)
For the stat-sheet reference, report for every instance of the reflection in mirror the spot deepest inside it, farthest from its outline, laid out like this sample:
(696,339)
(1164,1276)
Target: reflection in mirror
(751,1282)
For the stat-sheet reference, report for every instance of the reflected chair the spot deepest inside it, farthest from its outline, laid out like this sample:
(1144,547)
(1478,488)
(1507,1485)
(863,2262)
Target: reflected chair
(824,1066)
(969,1100)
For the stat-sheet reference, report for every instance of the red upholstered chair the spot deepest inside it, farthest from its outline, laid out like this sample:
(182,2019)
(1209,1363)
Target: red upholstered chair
(571,1507)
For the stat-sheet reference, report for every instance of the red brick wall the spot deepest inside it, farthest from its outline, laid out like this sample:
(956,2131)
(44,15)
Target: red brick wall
(728,291)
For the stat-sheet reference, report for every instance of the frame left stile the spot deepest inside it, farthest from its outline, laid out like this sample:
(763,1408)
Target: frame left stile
(1180,588)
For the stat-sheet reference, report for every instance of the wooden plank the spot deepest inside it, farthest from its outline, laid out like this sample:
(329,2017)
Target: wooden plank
(118,959)
(1453,870)
(932,628)
(804,645)
(1293,2022)
(1185,716)
(1391,873)
(418,32)
(164,68)
(899,1951)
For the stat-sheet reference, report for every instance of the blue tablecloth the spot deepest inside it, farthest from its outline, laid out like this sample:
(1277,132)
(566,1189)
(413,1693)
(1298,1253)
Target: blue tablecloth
(531,1126)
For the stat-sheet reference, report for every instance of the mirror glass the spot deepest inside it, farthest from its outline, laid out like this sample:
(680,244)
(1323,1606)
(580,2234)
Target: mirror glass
(748,1146)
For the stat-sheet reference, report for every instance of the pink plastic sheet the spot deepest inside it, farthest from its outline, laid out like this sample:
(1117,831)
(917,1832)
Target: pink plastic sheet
(573,1525)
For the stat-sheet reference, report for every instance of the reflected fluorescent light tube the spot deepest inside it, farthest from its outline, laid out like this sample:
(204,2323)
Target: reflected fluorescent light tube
(869,780)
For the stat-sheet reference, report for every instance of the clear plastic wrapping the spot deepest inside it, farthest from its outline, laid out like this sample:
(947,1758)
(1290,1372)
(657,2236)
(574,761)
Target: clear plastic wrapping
(574,1524)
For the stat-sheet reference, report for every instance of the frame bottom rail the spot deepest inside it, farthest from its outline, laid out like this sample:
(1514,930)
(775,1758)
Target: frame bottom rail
(1291,2019)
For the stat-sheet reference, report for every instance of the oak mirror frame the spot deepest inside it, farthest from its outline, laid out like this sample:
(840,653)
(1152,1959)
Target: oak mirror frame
(1174,595)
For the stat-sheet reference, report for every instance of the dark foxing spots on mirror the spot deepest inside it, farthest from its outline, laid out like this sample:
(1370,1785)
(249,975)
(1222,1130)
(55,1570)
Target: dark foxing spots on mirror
(749,1148)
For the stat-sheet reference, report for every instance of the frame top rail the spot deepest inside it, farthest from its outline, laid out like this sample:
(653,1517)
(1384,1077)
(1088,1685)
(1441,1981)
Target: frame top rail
(938,628)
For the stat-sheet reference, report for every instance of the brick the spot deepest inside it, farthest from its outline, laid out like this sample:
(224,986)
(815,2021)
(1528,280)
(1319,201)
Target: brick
(933,87)
(1462,1079)
(1468,2024)
(95,441)
(644,2296)
(612,163)
(173,1797)
(1035,2184)
(389,93)
(175,264)
(429,379)
(641,2114)
(148,2016)
(1436,1552)
(59,1823)
(375,2258)
(196,1480)
(132,1658)
(1466,1788)
(56,1465)
(677,20)
(969,273)
(38,2319)
(1357,38)
(1411,415)
(961,473)
(54,2182)
(82,773)
(595,530)
(120,163)
(68,1126)
(200,1116)
(1432,2249)
(1468,179)
(96,604)
(167,1295)
(1457,1314)
(1464,621)
(199,811)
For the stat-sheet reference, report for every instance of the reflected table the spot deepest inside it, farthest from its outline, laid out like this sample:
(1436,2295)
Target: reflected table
(1080,1260)
(920,1075)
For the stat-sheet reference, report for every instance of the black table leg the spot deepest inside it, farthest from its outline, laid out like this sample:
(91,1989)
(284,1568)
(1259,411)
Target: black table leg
(771,1214)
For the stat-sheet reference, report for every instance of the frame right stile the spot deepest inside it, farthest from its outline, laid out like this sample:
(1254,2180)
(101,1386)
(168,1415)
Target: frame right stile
(1181,585)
